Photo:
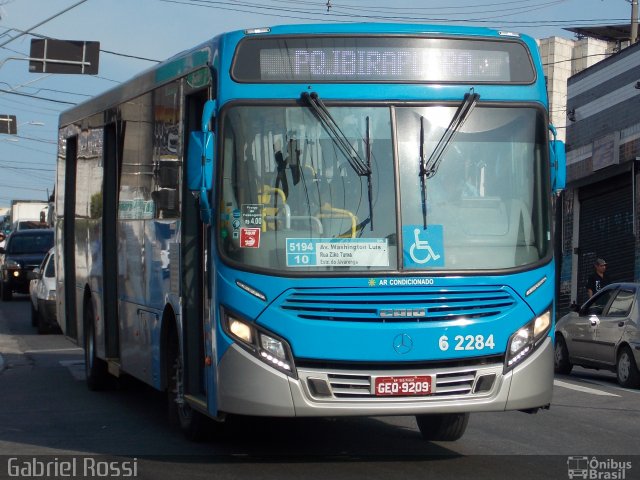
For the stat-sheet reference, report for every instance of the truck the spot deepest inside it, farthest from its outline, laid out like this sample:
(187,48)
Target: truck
(28,210)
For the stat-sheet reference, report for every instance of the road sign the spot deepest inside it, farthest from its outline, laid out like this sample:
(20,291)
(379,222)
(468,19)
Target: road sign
(8,124)
(64,56)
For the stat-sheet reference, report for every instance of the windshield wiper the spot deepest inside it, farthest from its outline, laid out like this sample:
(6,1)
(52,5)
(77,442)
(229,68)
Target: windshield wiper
(461,115)
(423,174)
(339,138)
(368,154)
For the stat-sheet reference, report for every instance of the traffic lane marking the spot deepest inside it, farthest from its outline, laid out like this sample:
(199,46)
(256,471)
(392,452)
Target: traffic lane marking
(592,391)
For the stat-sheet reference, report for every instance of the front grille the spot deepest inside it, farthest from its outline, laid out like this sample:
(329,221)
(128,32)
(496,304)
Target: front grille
(416,305)
(449,383)
(353,386)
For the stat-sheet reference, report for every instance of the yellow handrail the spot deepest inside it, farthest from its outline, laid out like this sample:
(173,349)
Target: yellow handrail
(264,197)
(341,213)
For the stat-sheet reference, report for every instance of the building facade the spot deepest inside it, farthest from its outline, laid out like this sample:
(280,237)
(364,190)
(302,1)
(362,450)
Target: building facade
(597,213)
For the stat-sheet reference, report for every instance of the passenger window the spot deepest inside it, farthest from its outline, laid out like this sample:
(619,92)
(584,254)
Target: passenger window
(621,305)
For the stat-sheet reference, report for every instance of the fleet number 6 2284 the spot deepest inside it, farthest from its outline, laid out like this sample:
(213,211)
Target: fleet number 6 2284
(467,342)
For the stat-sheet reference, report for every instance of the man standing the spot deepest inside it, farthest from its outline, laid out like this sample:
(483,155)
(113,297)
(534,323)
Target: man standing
(598,279)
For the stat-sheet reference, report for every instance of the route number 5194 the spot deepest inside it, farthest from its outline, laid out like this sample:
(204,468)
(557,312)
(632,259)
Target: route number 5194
(467,342)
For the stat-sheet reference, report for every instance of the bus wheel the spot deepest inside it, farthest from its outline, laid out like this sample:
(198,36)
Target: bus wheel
(561,362)
(192,423)
(95,368)
(445,427)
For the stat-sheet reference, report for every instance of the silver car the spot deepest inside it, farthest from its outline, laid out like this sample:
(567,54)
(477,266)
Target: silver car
(603,334)
(42,290)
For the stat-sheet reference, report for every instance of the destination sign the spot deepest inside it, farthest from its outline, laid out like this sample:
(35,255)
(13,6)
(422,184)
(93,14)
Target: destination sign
(382,59)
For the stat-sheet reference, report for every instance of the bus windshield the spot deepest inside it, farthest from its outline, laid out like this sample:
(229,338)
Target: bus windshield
(293,200)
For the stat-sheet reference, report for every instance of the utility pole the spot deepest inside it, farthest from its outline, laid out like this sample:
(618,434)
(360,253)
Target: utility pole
(634,21)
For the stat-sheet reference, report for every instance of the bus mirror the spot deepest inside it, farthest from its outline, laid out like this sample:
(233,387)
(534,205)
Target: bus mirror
(207,113)
(558,165)
(200,161)
(558,158)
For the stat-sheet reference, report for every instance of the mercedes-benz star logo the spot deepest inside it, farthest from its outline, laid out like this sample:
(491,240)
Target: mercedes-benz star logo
(402,343)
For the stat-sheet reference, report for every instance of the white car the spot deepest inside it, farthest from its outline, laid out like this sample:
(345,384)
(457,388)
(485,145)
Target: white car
(42,289)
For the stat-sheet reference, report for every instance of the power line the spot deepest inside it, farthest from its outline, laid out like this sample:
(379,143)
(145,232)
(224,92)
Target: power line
(42,23)
(410,17)
(110,52)
(36,97)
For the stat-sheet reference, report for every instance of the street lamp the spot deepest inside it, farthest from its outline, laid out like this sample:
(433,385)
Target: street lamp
(33,122)
(8,124)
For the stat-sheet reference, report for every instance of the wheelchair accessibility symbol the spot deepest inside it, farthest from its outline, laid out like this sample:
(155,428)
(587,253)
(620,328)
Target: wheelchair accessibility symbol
(423,247)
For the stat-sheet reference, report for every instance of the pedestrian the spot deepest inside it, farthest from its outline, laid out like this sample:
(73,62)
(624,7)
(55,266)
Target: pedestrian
(598,279)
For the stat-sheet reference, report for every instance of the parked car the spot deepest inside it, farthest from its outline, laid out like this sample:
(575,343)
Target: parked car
(42,290)
(24,251)
(603,334)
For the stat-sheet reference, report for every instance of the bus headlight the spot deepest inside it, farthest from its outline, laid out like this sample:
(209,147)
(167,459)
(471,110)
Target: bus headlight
(264,345)
(524,342)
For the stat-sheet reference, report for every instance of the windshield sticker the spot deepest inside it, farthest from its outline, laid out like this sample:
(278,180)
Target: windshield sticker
(249,238)
(423,247)
(337,252)
(252,215)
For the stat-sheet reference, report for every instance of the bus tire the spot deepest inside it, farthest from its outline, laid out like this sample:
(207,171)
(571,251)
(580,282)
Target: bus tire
(192,423)
(95,368)
(444,427)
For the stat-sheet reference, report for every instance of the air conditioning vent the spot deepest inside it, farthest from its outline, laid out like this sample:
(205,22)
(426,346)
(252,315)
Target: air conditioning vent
(417,305)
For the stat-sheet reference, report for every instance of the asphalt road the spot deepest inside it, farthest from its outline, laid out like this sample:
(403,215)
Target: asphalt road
(46,412)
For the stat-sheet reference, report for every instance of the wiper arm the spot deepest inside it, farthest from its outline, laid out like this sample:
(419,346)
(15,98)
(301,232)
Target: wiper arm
(465,108)
(336,134)
(423,174)
(369,189)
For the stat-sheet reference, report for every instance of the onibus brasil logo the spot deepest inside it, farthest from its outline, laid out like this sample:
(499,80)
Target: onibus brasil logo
(598,469)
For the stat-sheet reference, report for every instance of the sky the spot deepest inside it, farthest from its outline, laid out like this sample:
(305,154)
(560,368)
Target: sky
(135,34)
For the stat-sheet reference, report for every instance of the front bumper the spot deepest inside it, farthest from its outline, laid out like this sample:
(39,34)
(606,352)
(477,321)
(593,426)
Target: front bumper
(248,386)
(19,284)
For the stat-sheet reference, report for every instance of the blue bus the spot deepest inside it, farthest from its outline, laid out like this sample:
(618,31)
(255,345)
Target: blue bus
(318,220)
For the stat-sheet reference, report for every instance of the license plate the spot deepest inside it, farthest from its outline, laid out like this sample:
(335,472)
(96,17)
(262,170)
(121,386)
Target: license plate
(404,386)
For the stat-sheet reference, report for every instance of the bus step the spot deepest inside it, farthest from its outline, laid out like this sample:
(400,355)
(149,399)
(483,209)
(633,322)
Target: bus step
(197,402)
(113,366)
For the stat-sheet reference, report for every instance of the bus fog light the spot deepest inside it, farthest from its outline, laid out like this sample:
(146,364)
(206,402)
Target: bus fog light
(542,323)
(240,330)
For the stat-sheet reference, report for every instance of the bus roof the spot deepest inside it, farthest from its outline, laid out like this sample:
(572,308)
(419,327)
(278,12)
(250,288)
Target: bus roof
(201,55)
